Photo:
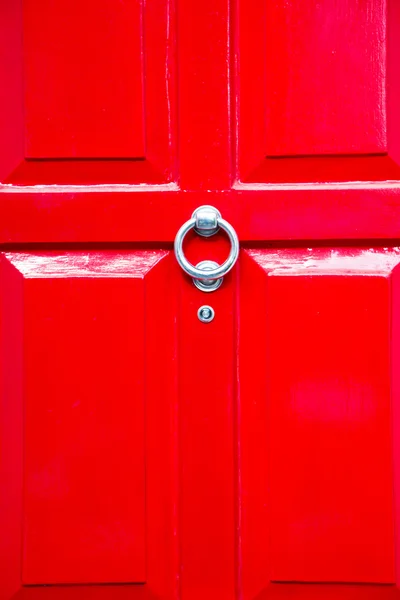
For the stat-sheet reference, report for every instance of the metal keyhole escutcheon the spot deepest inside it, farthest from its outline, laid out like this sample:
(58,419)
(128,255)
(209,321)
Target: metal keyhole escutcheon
(206,314)
(207,275)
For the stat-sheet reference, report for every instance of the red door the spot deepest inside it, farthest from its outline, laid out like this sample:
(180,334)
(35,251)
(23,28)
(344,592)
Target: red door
(144,453)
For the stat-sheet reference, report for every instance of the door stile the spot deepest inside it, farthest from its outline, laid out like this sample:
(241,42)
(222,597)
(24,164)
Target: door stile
(206,431)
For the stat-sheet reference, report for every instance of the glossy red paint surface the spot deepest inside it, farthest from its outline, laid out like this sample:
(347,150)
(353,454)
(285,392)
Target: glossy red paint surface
(325,429)
(84,520)
(84,415)
(206,427)
(144,454)
(318,108)
(69,117)
(317,91)
(90,95)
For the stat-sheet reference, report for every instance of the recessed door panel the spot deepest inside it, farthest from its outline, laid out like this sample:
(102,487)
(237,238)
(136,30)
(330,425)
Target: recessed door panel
(325,85)
(90,100)
(83,365)
(83,78)
(315,416)
(316,91)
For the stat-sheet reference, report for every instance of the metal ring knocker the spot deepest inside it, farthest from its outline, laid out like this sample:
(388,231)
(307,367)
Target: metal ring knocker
(206,221)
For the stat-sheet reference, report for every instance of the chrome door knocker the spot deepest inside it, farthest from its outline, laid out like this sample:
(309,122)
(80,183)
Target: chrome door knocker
(207,275)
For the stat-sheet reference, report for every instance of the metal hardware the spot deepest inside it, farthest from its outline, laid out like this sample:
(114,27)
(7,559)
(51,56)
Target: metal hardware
(206,313)
(207,285)
(206,220)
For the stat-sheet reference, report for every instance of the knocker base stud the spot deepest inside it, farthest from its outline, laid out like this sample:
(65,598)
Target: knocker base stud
(207,285)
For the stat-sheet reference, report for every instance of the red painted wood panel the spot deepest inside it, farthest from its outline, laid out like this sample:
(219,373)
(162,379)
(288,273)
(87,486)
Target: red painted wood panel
(88,92)
(84,423)
(83,79)
(83,395)
(316,91)
(321,418)
(330,430)
(325,77)
(393,79)
(11,88)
